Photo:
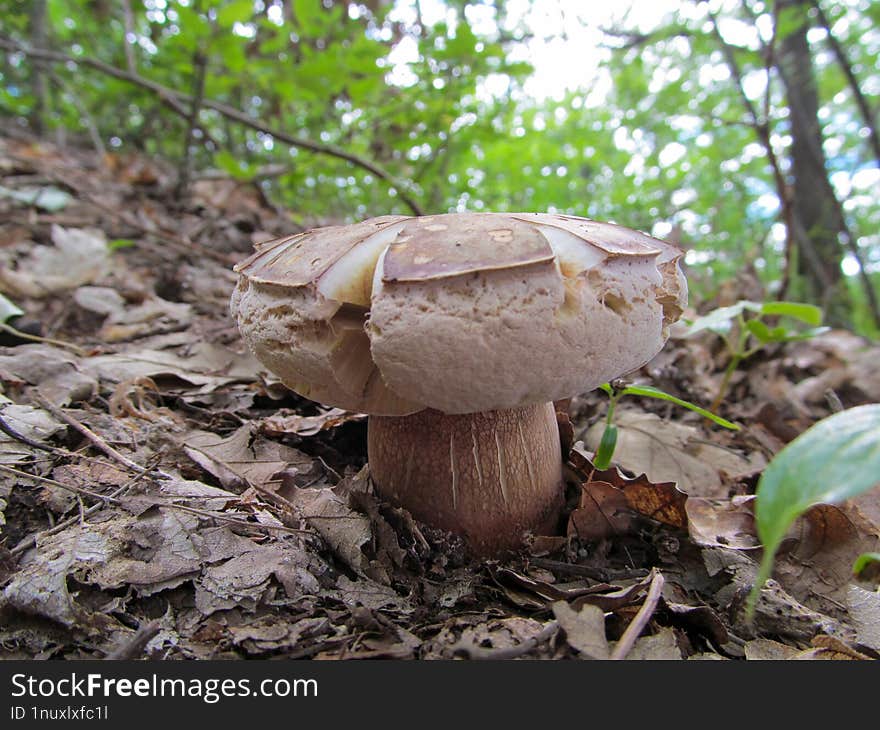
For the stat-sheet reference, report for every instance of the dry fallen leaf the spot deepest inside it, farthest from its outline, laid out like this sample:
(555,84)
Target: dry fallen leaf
(242,458)
(609,501)
(280,424)
(669,451)
(864,609)
(727,524)
(584,629)
(660,646)
(79,256)
(57,374)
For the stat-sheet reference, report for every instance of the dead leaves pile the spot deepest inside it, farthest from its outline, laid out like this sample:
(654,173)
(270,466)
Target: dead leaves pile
(153,475)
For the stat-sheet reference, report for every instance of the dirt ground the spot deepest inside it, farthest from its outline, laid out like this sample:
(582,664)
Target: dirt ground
(162,496)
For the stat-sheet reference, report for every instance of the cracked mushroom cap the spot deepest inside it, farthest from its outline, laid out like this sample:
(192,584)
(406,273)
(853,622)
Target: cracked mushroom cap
(460,312)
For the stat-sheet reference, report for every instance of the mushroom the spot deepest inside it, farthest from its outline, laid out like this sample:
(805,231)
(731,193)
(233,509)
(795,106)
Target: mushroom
(456,333)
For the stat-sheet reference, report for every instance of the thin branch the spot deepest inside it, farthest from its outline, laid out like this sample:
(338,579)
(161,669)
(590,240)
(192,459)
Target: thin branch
(135,645)
(473,651)
(87,119)
(637,625)
(200,62)
(128,22)
(31,540)
(846,67)
(96,439)
(761,128)
(163,92)
(8,328)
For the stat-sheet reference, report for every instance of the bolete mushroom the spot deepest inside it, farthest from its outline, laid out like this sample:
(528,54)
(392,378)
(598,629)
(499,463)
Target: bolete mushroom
(456,333)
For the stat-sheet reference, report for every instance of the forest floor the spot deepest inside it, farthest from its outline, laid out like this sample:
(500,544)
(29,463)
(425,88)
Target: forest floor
(163,497)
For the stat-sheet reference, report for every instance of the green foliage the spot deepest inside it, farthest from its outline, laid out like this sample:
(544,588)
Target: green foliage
(608,442)
(863,561)
(837,458)
(744,337)
(664,145)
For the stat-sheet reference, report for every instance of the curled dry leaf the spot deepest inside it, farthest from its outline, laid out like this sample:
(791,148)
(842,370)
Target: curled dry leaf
(278,425)
(817,567)
(345,531)
(609,501)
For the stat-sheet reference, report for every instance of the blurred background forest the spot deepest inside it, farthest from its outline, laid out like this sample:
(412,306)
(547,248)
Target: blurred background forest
(743,130)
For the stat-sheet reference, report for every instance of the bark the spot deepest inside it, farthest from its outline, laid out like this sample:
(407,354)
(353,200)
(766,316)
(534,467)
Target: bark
(39,80)
(817,212)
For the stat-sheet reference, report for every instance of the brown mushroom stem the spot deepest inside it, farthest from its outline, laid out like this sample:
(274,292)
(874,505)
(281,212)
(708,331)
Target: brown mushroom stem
(489,476)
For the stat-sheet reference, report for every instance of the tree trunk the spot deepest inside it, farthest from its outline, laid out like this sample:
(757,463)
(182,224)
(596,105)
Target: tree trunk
(818,218)
(39,82)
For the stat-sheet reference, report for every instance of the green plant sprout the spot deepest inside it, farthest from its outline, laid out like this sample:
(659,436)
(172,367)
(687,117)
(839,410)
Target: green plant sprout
(863,561)
(833,460)
(608,442)
(753,333)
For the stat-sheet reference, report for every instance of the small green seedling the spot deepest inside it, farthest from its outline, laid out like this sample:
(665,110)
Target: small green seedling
(744,336)
(119,243)
(608,442)
(863,561)
(833,460)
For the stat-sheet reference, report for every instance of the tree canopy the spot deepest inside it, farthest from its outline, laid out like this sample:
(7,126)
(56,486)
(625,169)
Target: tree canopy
(743,130)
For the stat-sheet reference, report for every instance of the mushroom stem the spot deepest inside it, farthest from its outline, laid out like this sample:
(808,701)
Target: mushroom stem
(489,476)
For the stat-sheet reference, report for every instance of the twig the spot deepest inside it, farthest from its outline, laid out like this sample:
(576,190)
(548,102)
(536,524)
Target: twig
(60,485)
(634,630)
(95,438)
(163,92)
(107,498)
(31,540)
(134,647)
(47,340)
(508,652)
(233,520)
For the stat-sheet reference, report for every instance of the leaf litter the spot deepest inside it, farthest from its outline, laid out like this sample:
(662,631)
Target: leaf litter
(187,491)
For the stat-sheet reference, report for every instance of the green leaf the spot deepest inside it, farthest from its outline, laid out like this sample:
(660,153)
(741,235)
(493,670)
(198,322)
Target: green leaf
(762,332)
(238,11)
(118,243)
(863,561)
(719,320)
(804,312)
(50,199)
(607,444)
(8,309)
(651,392)
(781,334)
(835,459)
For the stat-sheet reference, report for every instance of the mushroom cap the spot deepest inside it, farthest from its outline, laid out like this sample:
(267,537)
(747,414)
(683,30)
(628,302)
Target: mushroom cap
(461,312)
